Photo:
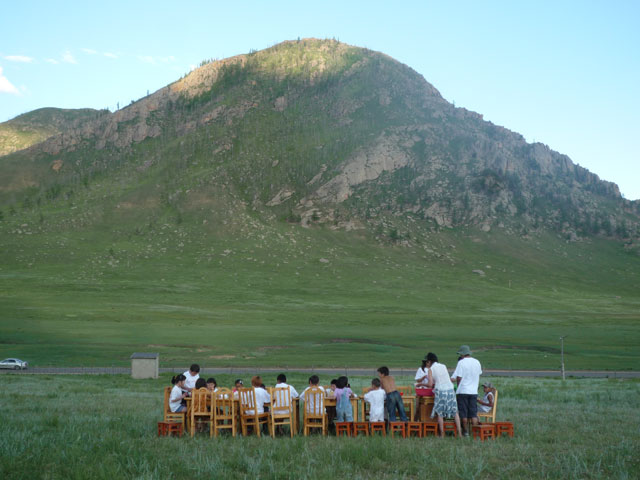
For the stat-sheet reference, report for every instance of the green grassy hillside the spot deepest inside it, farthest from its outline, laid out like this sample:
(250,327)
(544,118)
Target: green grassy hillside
(193,223)
(36,126)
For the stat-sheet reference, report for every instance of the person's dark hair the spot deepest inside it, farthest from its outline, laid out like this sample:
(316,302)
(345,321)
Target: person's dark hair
(432,357)
(195,368)
(282,378)
(384,371)
(178,378)
(238,380)
(342,382)
(376,382)
(314,380)
(424,363)
(201,383)
(212,380)
(334,382)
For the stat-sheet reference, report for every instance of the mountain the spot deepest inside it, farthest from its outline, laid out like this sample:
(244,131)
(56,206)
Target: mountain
(323,132)
(313,203)
(36,126)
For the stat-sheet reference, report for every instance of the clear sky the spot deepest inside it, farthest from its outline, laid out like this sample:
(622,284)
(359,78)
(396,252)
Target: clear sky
(564,73)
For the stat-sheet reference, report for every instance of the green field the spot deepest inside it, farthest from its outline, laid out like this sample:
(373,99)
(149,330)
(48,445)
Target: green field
(282,295)
(61,427)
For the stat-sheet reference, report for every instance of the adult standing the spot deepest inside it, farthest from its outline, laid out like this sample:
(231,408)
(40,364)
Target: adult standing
(445,399)
(467,376)
(191,377)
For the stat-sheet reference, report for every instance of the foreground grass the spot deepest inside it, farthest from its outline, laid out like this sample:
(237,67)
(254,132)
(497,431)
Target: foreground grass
(105,427)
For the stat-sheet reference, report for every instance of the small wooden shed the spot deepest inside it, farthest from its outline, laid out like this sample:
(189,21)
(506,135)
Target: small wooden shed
(145,365)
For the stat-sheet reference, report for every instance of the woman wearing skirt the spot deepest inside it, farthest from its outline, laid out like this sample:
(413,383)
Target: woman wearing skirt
(445,405)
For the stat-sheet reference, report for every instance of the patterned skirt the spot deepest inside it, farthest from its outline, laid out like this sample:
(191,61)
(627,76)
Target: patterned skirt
(445,404)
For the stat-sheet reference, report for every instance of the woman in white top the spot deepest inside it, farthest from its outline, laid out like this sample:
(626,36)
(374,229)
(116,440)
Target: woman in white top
(445,404)
(422,375)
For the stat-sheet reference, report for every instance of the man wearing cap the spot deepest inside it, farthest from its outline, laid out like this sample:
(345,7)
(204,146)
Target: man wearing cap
(467,376)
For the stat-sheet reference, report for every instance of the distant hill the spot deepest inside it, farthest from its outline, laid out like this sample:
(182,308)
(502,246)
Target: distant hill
(34,127)
(322,132)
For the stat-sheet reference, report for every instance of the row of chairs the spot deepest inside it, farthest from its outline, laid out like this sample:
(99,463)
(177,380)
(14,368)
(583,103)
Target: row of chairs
(218,409)
(223,412)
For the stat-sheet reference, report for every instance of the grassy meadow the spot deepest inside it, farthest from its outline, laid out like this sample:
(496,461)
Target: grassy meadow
(281,295)
(70,427)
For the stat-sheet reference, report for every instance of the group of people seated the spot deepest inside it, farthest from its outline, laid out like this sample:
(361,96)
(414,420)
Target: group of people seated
(383,396)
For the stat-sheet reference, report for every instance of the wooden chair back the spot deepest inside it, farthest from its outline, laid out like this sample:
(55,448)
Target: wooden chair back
(364,406)
(315,415)
(224,412)
(405,390)
(168,415)
(249,415)
(491,416)
(201,408)
(281,409)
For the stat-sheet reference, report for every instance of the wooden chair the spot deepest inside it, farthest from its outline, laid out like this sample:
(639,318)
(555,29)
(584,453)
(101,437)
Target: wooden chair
(315,415)
(398,427)
(360,427)
(484,431)
(224,412)
(344,428)
(504,427)
(414,427)
(490,416)
(378,427)
(169,416)
(450,427)
(364,406)
(281,410)
(430,428)
(249,416)
(201,409)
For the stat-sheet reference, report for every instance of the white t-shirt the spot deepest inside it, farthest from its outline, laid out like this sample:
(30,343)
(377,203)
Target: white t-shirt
(262,397)
(292,393)
(469,370)
(485,408)
(316,409)
(190,382)
(421,373)
(440,376)
(376,399)
(175,399)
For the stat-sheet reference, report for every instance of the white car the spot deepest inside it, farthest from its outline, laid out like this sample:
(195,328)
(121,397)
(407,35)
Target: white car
(14,363)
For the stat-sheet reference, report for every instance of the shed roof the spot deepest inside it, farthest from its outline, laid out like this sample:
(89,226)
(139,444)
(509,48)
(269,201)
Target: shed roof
(144,355)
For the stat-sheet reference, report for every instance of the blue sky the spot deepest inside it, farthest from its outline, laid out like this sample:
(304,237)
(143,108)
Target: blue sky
(564,73)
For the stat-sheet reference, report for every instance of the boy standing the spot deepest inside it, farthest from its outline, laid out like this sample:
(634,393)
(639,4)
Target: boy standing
(192,376)
(467,375)
(375,397)
(394,400)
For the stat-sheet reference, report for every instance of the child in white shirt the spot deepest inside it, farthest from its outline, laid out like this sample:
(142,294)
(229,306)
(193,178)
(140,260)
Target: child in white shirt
(486,404)
(177,394)
(282,383)
(313,383)
(375,398)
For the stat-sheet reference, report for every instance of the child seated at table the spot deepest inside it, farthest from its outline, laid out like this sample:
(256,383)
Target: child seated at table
(262,396)
(282,383)
(177,403)
(375,398)
(344,411)
(237,384)
(313,383)
(486,404)
(200,383)
(212,385)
